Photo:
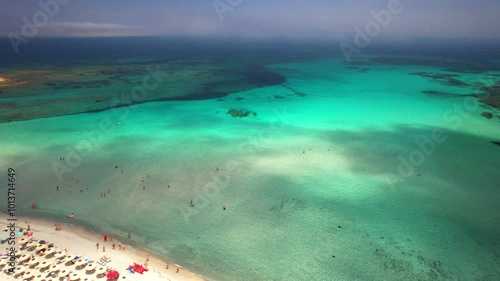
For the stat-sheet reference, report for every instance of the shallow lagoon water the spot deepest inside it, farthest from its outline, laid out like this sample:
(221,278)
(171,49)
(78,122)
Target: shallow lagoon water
(311,182)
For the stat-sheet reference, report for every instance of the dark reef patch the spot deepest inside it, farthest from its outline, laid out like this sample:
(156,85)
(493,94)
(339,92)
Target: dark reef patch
(434,267)
(436,93)
(288,204)
(491,94)
(487,115)
(444,94)
(261,76)
(358,63)
(458,66)
(252,77)
(295,92)
(214,81)
(77,84)
(240,113)
(445,79)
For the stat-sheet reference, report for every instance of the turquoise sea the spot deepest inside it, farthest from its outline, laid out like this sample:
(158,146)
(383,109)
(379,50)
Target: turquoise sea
(384,168)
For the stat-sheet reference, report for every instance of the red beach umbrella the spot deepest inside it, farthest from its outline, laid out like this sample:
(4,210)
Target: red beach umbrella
(113,274)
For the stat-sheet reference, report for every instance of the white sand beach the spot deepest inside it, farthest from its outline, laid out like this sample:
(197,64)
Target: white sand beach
(78,241)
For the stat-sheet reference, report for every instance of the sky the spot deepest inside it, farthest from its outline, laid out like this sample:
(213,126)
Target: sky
(253,18)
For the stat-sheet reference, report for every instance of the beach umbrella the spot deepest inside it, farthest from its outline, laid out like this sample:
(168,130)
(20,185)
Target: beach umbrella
(42,248)
(44,264)
(113,274)
(31,245)
(59,255)
(22,249)
(20,253)
(64,259)
(64,272)
(54,268)
(100,271)
(24,257)
(80,263)
(50,254)
(28,275)
(72,261)
(74,276)
(18,271)
(90,267)
(33,262)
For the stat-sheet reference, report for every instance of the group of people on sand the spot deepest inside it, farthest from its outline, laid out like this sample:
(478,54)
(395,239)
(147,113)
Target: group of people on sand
(167,266)
(57,227)
(110,238)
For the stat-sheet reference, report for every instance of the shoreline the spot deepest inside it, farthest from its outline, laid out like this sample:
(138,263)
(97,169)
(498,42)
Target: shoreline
(80,241)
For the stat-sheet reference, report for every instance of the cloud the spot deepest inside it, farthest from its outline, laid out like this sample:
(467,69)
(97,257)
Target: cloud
(92,29)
